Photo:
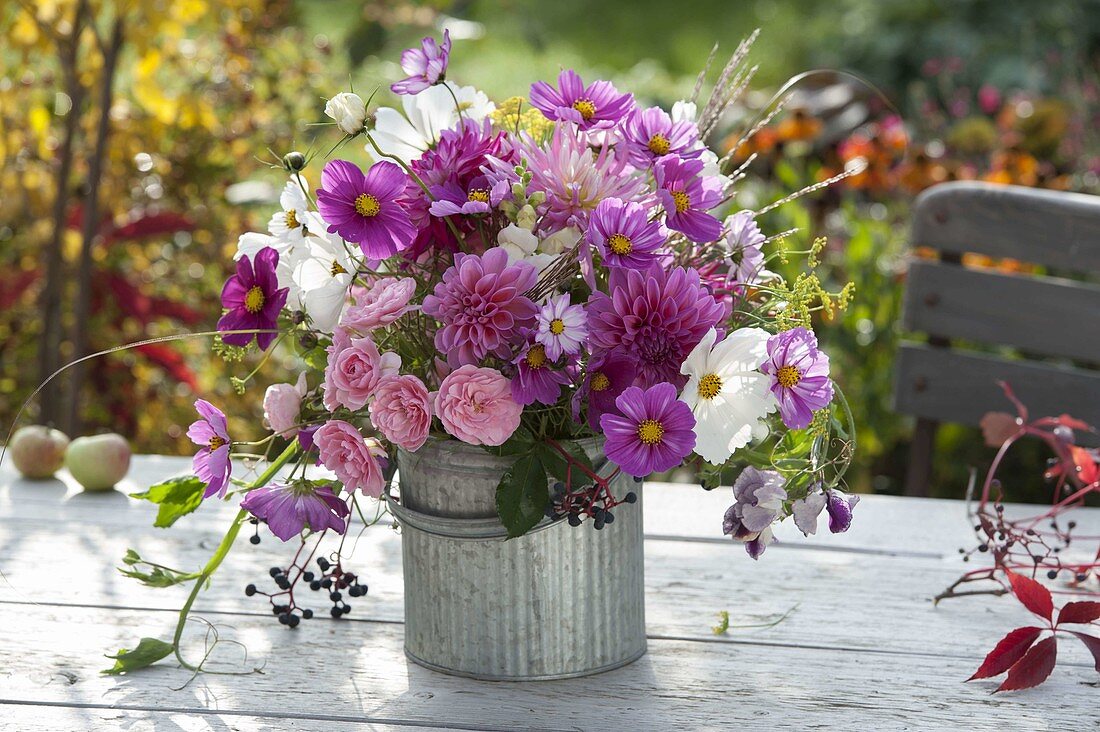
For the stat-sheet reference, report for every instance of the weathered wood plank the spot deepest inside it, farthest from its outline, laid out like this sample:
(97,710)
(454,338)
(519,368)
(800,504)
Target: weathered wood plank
(953,386)
(1051,228)
(1037,314)
(355,673)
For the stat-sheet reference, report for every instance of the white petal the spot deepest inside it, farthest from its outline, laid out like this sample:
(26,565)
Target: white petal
(743,350)
(696,363)
(395,135)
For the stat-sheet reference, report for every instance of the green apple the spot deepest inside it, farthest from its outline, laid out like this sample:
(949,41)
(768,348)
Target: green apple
(99,461)
(38,451)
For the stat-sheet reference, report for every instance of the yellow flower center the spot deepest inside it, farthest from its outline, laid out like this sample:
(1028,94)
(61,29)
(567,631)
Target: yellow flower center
(709,386)
(216,442)
(557,326)
(650,432)
(599,382)
(292,219)
(683,203)
(787,376)
(585,107)
(536,356)
(337,268)
(620,244)
(367,205)
(659,144)
(478,194)
(254,299)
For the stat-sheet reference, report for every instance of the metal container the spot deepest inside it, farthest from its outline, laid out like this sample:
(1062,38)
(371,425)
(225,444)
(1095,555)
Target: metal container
(558,602)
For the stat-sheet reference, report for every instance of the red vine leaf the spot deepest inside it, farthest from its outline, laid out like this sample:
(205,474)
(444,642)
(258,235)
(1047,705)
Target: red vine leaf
(1079,612)
(1034,668)
(1092,643)
(1007,652)
(1032,595)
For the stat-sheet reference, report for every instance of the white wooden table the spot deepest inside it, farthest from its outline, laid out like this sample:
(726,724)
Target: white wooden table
(864,649)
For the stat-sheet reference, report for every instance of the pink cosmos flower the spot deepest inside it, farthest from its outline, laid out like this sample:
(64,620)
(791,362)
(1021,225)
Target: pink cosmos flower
(425,66)
(354,369)
(282,402)
(800,376)
(253,299)
(624,235)
(289,508)
(481,304)
(651,134)
(687,196)
(653,431)
(476,406)
(380,305)
(354,460)
(599,105)
(402,411)
(211,463)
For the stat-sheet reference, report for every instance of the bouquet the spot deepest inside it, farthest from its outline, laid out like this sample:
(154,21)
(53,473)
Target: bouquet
(518,277)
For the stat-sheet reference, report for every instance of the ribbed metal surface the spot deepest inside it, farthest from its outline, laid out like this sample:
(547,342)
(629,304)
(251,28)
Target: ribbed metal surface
(557,602)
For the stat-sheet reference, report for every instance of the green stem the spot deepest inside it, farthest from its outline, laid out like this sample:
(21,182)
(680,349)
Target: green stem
(223,550)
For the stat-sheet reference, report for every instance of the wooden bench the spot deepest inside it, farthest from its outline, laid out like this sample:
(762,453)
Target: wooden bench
(1039,333)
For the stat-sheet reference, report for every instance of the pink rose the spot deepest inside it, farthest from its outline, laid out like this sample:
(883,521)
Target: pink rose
(354,369)
(354,460)
(282,403)
(383,303)
(402,411)
(476,406)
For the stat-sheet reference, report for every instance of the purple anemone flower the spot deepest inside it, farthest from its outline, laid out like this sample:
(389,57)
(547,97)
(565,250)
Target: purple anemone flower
(624,235)
(651,134)
(425,66)
(655,317)
(537,379)
(452,199)
(211,463)
(364,209)
(481,304)
(840,506)
(800,376)
(758,501)
(608,377)
(687,196)
(598,105)
(653,431)
(290,507)
(253,299)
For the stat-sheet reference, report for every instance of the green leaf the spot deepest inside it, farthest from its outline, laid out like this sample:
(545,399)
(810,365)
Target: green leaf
(148,652)
(556,464)
(522,495)
(160,576)
(521,441)
(316,358)
(176,497)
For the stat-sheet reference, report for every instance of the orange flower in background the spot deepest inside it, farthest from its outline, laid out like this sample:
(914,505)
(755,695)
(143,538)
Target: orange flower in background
(798,126)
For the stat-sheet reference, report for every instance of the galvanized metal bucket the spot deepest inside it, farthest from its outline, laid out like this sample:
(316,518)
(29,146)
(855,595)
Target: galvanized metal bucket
(558,602)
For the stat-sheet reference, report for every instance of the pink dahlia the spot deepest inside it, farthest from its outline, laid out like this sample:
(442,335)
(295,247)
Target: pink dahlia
(402,411)
(655,317)
(481,306)
(354,460)
(598,105)
(476,406)
(379,305)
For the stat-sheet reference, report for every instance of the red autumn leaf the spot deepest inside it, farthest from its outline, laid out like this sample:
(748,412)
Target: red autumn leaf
(1092,643)
(1007,652)
(1034,668)
(1073,423)
(1087,470)
(1079,612)
(1032,595)
(151,225)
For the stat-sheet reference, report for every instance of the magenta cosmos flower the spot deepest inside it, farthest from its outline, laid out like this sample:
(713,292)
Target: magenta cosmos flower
(452,199)
(800,376)
(537,378)
(211,463)
(687,196)
(290,507)
(598,105)
(624,235)
(651,134)
(364,208)
(253,299)
(655,317)
(425,66)
(607,378)
(476,406)
(481,304)
(653,431)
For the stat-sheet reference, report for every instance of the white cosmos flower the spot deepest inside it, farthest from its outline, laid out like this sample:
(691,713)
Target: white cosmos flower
(726,392)
(287,224)
(323,269)
(427,114)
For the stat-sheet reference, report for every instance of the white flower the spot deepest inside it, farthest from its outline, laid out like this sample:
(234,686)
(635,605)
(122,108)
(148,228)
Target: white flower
(427,114)
(683,111)
(559,241)
(526,217)
(518,242)
(349,112)
(726,392)
(806,510)
(322,273)
(287,224)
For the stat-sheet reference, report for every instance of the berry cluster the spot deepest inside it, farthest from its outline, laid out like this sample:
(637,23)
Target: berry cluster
(592,500)
(330,577)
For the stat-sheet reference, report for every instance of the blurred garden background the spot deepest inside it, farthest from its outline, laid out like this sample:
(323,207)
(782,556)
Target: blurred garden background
(139,138)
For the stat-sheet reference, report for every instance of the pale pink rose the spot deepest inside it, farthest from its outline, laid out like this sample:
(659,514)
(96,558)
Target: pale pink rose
(402,411)
(381,304)
(354,459)
(354,369)
(476,406)
(282,402)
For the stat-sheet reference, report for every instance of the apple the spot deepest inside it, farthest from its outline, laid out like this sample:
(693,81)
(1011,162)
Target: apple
(99,461)
(38,451)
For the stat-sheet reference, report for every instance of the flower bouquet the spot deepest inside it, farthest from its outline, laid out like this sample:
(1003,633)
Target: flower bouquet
(524,308)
